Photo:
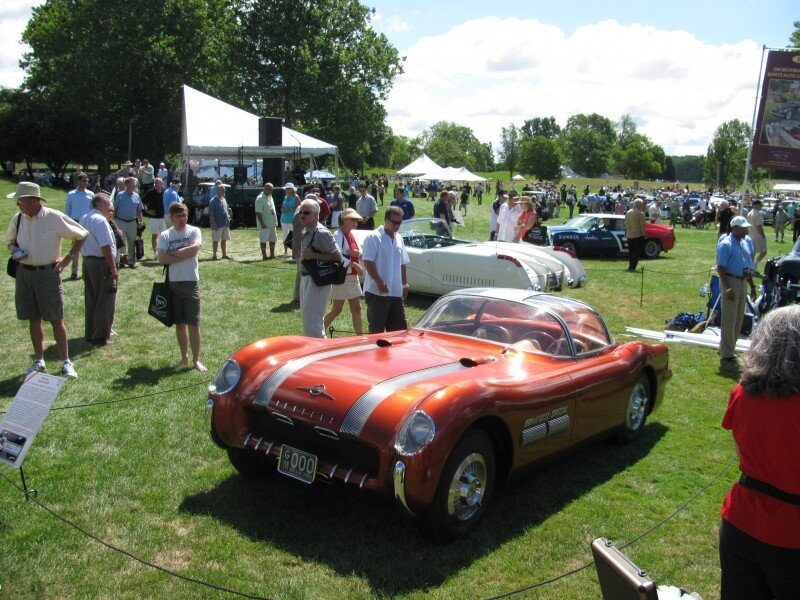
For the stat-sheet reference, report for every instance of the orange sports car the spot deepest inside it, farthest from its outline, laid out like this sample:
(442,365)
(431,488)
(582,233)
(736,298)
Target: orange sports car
(489,382)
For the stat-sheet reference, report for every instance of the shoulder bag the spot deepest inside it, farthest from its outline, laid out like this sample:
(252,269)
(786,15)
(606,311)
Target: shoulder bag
(160,306)
(324,272)
(11,266)
(536,235)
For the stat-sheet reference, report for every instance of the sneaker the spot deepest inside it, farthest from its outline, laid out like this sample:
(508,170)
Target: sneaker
(37,366)
(67,370)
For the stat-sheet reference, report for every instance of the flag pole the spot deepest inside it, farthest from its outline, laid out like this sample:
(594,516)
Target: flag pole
(753,129)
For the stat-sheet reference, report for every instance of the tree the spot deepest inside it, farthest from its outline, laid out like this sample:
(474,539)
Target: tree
(794,40)
(636,157)
(320,66)
(687,168)
(587,141)
(540,126)
(135,80)
(541,156)
(725,159)
(626,129)
(509,147)
(450,144)
(669,170)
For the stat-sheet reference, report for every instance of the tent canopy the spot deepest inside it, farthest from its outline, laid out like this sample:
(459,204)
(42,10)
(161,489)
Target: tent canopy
(786,187)
(451,174)
(215,129)
(320,174)
(422,165)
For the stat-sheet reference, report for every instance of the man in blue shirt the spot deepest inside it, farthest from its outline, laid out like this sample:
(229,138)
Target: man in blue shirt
(128,211)
(404,203)
(220,223)
(79,203)
(734,262)
(171,196)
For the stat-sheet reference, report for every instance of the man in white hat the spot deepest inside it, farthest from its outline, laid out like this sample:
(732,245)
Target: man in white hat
(34,240)
(734,264)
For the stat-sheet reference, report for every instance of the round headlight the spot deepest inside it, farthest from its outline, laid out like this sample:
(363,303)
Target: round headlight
(226,378)
(416,432)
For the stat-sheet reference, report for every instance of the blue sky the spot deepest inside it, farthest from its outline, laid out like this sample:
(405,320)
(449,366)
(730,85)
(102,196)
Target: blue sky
(680,68)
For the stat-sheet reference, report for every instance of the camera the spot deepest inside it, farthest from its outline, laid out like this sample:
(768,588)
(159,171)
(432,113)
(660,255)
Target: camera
(19,254)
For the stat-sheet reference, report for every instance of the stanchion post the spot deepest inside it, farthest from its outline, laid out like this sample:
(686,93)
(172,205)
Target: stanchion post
(29,493)
(641,290)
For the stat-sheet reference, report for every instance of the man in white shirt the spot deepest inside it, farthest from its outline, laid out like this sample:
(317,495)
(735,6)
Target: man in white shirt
(507,219)
(267,222)
(100,274)
(385,285)
(755,230)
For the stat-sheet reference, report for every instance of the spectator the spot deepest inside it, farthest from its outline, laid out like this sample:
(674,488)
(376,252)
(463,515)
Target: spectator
(220,222)
(317,244)
(171,196)
(507,218)
(759,536)
(38,294)
(367,207)
(146,176)
(779,222)
(128,210)
(756,232)
(493,214)
(162,172)
(404,203)
(178,248)
(386,286)
(267,222)
(154,208)
(337,205)
(526,220)
(635,233)
(79,203)
(100,275)
(288,208)
(350,290)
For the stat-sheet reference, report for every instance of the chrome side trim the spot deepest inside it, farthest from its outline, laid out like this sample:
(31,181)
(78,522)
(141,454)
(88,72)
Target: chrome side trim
(326,433)
(270,386)
(346,477)
(400,487)
(558,425)
(357,416)
(258,442)
(282,418)
(247,439)
(363,481)
(534,434)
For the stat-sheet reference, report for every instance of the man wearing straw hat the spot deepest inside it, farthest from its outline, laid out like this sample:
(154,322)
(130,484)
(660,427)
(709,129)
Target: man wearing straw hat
(34,240)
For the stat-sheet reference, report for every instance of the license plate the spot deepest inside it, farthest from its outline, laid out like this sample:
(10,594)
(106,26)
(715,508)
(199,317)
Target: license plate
(297,464)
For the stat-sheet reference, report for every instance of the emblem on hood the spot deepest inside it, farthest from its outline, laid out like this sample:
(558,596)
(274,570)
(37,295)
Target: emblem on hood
(316,390)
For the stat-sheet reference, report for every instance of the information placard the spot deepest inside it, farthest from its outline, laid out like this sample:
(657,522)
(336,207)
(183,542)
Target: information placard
(25,416)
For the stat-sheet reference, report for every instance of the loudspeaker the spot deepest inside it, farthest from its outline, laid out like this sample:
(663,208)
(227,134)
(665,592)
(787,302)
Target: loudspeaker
(270,132)
(240,174)
(273,171)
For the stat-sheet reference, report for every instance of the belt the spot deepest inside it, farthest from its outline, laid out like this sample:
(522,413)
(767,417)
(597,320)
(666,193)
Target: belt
(126,220)
(37,267)
(734,276)
(89,257)
(765,488)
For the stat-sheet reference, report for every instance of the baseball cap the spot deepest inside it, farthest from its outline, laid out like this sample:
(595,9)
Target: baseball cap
(739,222)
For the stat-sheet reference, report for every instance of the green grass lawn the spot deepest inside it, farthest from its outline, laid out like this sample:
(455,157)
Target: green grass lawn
(144,475)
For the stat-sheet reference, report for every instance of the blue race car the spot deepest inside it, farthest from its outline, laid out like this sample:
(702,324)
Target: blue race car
(604,235)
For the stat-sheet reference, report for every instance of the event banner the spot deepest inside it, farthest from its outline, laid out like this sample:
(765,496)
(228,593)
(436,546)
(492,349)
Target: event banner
(776,143)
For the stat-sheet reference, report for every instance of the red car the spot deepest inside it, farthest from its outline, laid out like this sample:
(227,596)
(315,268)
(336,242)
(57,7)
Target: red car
(489,382)
(603,234)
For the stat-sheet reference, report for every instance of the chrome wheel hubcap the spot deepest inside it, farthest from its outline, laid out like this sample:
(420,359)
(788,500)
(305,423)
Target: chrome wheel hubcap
(637,407)
(467,488)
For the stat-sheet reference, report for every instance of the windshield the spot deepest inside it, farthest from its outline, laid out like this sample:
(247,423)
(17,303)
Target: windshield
(583,222)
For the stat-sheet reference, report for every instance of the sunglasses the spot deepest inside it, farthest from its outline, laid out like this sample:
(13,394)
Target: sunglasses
(305,213)
(398,223)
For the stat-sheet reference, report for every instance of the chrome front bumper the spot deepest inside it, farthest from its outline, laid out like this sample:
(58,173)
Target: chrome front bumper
(400,488)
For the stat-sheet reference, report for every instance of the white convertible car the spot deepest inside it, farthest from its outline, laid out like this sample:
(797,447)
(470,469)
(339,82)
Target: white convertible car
(441,263)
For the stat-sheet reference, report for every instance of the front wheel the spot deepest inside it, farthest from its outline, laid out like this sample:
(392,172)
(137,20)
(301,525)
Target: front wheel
(636,411)
(652,248)
(464,490)
(250,464)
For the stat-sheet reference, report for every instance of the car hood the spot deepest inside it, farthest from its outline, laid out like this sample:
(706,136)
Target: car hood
(341,388)
(563,229)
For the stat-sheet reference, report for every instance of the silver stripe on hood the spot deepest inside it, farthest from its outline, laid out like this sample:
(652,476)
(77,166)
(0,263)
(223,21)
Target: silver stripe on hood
(358,414)
(274,381)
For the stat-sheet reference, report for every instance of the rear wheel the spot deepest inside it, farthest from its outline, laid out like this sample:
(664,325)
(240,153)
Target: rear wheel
(464,490)
(571,246)
(250,464)
(652,248)
(636,411)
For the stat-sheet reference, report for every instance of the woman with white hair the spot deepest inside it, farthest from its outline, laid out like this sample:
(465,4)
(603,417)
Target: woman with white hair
(759,538)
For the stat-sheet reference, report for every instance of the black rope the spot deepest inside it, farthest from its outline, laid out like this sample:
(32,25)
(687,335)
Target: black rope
(130,555)
(625,545)
(139,397)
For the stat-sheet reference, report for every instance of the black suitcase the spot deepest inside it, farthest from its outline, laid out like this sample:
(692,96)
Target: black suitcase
(619,578)
(139,248)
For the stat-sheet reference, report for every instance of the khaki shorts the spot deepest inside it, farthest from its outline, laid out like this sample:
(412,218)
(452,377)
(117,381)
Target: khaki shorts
(268,234)
(185,301)
(220,233)
(351,288)
(38,295)
(157,226)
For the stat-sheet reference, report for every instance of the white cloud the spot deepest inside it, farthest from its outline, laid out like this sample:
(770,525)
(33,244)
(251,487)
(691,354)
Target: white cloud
(489,72)
(14,15)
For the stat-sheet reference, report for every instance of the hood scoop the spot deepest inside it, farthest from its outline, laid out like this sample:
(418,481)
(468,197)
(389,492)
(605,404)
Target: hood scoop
(476,362)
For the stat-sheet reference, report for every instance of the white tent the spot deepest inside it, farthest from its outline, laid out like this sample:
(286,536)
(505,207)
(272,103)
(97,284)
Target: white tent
(786,187)
(451,174)
(422,165)
(517,177)
(215,129)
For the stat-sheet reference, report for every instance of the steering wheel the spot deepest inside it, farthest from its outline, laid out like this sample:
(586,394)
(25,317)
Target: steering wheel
(545,341)
(495,333)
